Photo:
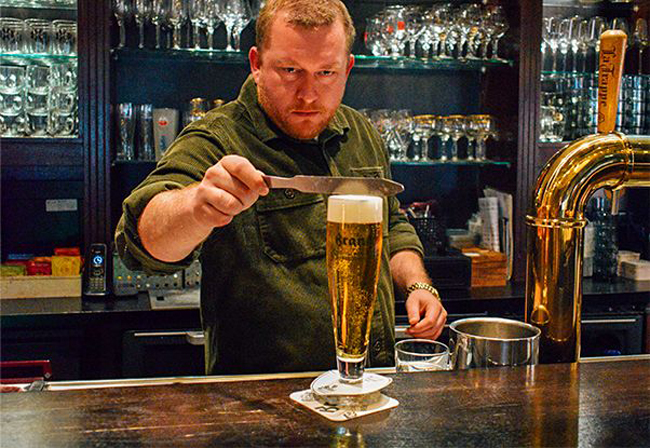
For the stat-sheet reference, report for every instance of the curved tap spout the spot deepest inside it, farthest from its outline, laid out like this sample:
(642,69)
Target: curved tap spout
(555,231)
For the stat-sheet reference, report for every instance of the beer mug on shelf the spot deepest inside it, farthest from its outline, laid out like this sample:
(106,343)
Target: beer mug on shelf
(354,239)
(12,86)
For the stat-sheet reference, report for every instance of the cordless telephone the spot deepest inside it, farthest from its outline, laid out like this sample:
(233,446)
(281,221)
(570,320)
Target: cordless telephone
(96,271)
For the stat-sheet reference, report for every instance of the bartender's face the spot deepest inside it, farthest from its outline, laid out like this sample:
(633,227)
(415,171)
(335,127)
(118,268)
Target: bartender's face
(301,75)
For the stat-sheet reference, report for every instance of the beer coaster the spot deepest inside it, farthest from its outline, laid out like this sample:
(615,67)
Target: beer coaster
(329,384)
(338,413)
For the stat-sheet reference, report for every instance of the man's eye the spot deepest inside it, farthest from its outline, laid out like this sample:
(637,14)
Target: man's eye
(289,70)
(327,72)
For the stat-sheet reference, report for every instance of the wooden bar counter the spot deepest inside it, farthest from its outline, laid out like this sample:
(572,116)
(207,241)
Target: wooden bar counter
(587,404)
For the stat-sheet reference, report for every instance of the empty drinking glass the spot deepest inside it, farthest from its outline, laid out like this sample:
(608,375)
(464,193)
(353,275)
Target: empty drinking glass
(126,127)
(38,36)
(65,37)
(394,21)
(641,39)
(37,100)
(159,13)
(456,129)
(122,11)
(144,115)
(486,128)
(177,15)
(498,21)
(11,35)
(232,12)
(421,355)
(422,132)
(63,118)
(12,83)
(196,10)
(142,13)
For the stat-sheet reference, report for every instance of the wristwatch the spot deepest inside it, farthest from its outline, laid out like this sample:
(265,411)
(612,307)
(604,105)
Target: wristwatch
(422,285)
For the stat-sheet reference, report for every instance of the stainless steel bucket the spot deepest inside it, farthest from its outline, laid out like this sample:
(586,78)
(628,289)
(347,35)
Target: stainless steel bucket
(492,342)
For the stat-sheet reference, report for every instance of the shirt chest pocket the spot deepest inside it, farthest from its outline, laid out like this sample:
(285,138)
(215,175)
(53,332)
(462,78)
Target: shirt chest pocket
(376,172)
(292,225)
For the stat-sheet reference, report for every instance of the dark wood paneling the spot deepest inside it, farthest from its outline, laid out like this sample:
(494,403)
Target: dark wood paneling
(44,152)
(529,89)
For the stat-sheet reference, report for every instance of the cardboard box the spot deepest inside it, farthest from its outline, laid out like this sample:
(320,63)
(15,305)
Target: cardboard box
(39,286)
(489,268)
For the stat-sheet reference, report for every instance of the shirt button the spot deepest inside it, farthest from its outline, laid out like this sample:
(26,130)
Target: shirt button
(290,193)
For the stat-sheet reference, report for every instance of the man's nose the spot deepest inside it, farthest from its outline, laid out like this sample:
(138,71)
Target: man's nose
(308,89)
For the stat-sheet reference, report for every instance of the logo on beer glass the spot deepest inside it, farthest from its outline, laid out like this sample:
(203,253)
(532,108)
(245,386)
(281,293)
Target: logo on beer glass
(353,260)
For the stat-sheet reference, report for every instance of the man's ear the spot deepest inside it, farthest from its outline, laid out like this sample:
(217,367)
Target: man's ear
(254,58)
(350,65)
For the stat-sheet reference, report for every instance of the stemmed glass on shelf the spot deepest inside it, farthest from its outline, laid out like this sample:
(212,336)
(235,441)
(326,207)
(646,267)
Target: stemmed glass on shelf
(641,38)
(395,26)
(471,132)
(142,13)
(211,19)
(422,132)
(485,128)
(499,23)
(177,15)
(195,14)
(122,11)
(414,25)
(159,13)
(469,16)
(241,23)
(456,127)
(233,12)
(443,129)
(440,24)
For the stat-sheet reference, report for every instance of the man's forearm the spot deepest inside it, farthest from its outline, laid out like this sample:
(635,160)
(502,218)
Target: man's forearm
(167,227)
(407,268)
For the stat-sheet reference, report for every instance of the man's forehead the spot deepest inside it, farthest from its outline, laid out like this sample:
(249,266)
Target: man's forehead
(281,24)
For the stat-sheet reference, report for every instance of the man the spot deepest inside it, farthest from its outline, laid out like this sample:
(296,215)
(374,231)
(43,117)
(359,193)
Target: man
(264,297)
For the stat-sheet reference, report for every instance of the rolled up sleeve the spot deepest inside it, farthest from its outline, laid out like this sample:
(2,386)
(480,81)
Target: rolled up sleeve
(401,235)
(184,164)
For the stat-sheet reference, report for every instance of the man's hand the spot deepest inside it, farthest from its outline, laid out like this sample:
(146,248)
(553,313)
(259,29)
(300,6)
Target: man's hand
(174,222)
(227,189)
(426,315)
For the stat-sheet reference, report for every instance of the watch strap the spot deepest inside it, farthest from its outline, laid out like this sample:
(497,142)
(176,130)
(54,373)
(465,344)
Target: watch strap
(422,285)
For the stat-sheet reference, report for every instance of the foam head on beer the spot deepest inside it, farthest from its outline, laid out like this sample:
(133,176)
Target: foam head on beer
(354,209)
(354,240)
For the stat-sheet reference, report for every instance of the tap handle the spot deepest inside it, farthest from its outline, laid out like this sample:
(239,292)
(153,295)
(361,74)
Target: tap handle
(610,70)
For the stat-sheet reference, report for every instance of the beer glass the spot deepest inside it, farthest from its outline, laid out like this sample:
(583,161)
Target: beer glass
(353,258)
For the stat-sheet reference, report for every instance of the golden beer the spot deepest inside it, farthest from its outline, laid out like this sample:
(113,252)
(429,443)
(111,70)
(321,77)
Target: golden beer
(354,240)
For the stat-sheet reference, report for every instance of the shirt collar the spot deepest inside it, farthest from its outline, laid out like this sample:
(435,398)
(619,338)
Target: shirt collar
(266,130)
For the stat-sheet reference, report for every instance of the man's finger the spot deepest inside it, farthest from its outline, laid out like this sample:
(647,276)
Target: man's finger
(413,311)
(244,170)
(226,181)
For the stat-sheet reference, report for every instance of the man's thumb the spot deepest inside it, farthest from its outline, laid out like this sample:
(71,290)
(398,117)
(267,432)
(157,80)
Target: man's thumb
(413,312)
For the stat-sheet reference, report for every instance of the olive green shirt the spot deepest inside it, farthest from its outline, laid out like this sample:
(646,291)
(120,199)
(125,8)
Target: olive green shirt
(264,293)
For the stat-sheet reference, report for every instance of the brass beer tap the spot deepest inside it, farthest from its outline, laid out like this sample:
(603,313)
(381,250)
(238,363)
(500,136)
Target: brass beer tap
(555,223)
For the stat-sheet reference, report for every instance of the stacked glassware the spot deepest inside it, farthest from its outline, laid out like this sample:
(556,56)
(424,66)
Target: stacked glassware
(201,18)
(469,31)
(569,84)
(38,77)
(410,138)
